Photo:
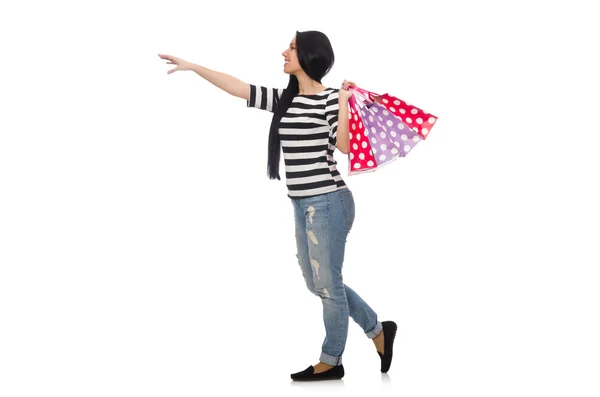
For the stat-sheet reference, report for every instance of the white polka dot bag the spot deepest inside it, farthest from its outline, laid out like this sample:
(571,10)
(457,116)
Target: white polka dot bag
(382,128)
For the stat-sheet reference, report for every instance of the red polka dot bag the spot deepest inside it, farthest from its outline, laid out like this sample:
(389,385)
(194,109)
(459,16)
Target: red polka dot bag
(382,128)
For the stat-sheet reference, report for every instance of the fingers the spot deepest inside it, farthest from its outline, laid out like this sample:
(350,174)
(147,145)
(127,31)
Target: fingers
(171,59)
(347,84)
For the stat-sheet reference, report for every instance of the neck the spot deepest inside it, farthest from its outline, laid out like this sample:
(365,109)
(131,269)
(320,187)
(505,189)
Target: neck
(308,86)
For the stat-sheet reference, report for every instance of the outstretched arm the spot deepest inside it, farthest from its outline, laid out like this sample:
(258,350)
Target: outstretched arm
(227,83)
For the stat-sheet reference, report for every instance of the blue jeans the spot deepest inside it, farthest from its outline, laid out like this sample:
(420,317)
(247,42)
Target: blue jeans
(322,225)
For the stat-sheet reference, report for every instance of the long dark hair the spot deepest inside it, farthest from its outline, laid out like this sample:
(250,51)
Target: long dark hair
(316,58)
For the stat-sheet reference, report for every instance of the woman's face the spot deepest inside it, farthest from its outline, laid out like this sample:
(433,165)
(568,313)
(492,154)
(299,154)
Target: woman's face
(291,65)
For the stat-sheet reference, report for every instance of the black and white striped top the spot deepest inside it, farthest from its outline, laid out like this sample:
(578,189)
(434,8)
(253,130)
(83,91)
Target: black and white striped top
(307,133)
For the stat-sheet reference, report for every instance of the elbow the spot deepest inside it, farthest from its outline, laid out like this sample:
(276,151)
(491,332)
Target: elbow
(344,150)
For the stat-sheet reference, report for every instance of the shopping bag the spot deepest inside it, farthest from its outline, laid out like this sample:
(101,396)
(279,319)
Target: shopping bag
(383,128)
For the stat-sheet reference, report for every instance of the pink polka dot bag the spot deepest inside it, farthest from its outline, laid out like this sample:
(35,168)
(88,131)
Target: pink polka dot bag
(382,128)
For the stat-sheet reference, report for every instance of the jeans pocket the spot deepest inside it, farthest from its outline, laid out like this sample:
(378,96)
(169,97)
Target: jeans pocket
(347,204)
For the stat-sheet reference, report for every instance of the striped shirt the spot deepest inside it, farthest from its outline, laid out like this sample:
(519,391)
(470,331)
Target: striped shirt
(307,133)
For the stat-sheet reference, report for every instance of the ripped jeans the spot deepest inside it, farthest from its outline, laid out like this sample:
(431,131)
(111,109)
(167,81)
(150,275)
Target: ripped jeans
(322,225)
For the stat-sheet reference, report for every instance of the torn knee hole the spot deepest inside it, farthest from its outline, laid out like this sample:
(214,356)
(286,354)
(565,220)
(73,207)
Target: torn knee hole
(312,237)
(311,212)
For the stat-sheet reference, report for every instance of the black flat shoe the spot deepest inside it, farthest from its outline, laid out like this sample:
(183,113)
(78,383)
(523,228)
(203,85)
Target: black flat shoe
(336,372)
(389,334)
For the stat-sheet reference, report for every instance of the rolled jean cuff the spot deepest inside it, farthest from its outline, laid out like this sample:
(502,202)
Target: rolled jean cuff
(378,328)
(327,359)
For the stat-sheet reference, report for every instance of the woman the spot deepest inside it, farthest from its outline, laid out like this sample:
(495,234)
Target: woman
(305,126)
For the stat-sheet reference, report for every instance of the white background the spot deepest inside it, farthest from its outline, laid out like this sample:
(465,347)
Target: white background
(144,251)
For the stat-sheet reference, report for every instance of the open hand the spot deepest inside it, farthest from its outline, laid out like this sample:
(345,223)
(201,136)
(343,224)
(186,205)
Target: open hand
(181,64)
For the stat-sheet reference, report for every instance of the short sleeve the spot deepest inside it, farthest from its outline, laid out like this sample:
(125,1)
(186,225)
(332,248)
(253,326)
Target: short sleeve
(332,108)
(264,98)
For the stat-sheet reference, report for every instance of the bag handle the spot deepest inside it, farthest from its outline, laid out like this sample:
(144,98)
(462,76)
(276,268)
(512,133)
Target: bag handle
(362,96)
(366,93)
(358,97)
